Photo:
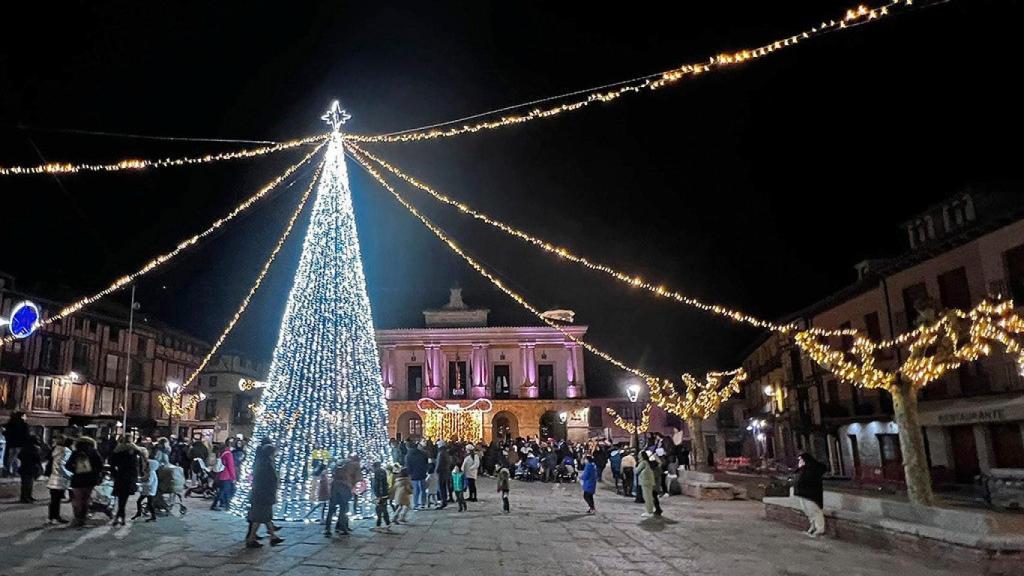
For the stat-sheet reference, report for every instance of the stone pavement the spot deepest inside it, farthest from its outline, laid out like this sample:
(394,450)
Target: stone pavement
(547,533)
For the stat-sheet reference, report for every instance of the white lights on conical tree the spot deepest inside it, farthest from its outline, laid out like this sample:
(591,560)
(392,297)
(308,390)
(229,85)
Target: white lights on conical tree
(324,395)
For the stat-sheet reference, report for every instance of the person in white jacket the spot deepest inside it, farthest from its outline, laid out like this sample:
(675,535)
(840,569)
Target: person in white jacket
(60,479)
(470,469)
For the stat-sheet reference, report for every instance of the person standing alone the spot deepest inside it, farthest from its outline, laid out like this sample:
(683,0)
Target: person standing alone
(381,491)
(589,482)
(471,469)
(810,491)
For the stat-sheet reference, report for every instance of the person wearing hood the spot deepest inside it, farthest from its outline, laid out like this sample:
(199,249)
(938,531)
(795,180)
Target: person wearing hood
(150,485)
(647,478)
(503,488)
(471,469)
(589,482)
(403,495)
(263,496)
(225,479)
(809,490)
(124,469)
(443,466)
(628,468)
(60,478)
(86,468)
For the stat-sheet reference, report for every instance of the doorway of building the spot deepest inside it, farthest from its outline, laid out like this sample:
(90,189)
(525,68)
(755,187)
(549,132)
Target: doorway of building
(965,454)
(551,427)
(504,427)
(892,457)
(1007,445)
(855,452)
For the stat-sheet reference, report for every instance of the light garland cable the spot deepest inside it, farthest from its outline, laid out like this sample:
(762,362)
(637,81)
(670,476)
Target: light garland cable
(651,380)
(139,164)
(183,245)
(259,278)
(644,424)
(851,18)
(701,399)
(565,253)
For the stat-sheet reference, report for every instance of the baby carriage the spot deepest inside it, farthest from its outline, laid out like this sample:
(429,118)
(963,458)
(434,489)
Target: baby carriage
(102,500)
(170,487)
(566,471)
(528,469)
(202,480)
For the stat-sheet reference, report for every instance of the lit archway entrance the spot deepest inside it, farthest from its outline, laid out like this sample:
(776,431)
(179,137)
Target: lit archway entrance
(551,426)
(504,427)
(410,425)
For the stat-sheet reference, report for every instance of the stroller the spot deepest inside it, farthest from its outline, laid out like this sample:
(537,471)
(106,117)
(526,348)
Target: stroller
(566,471)
(102,500)
(202,480)
(170,486)
(528,469)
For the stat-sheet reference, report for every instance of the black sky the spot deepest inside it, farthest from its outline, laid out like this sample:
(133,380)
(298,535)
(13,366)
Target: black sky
(758,187)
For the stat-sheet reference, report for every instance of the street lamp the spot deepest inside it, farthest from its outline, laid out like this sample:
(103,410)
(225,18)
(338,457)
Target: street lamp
(633,393)
(171,403)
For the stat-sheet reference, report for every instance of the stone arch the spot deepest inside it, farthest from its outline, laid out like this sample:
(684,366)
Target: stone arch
(410,425)
(504,426)
(551,426)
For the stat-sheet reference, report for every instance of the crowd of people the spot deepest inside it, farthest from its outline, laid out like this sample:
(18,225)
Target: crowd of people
(101,476)
(421,475)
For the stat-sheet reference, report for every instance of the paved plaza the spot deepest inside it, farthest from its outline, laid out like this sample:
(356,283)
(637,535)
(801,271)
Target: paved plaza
(546,533)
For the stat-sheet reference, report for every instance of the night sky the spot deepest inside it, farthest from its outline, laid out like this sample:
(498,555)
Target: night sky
(759,187)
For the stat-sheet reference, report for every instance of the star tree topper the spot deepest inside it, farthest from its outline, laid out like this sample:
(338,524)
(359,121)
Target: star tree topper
(336,116)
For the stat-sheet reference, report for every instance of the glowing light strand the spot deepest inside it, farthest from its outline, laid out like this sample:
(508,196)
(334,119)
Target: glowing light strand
(565,253)
(259,278)
(702,399)
(183,245)
(139,164)
(643,425)
(851,18)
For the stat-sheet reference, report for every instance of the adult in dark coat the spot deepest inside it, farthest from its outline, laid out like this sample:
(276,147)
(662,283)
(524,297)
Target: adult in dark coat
(16,434)
(124,469)
(418,467)
(31,467)
(263,496)
(809,488)
(444,474)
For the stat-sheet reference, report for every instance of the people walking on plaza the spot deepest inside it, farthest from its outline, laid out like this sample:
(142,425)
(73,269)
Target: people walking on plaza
(403,491)
(647,478)
(810,491)
(16,434)
(656,467)
(60,478)
(162,452)
(615,463)
(30,468)
(503,488)
(430,486)
(443,466)
(459,487)
(263,496)
(124,469)
(471,469)
(381,490)
(417,466)
(226,477)
(341,493)
(600,458)
(588,479)
(148,486)
(86,468)
(628,467)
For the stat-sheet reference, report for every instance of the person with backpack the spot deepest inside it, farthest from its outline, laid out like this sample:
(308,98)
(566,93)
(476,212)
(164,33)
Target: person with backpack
(225,474)
(86,469)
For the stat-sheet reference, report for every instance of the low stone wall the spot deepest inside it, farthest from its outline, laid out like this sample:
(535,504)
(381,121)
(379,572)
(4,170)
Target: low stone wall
(703,486)
(952,544)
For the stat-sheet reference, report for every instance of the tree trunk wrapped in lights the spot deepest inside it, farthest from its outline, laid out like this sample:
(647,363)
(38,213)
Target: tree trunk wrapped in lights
(701,400)
(324,393)
(943,345)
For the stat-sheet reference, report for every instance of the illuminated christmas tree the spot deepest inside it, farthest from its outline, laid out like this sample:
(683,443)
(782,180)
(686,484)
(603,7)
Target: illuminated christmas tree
(324,393)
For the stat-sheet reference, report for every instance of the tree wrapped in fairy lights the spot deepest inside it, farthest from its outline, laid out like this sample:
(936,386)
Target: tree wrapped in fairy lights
(324,393)
(947,340)
(701,400)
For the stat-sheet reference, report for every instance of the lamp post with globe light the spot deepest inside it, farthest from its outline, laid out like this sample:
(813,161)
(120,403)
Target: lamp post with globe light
(633,394)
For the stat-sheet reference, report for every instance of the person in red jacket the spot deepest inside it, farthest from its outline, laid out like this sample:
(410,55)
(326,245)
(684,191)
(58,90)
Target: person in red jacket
(225,478)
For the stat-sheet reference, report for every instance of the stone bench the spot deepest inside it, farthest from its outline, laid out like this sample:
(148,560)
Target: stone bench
(703,486)
(972,537)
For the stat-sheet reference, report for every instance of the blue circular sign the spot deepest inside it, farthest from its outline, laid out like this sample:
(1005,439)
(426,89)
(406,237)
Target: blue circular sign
(24,319)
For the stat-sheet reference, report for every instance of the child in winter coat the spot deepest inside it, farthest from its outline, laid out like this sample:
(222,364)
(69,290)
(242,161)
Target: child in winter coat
(459,486)
(503,486)
(431,487)
(403,495)
(380,492)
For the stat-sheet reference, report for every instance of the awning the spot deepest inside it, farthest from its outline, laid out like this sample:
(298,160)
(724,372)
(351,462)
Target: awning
(996,408)
(57,420)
